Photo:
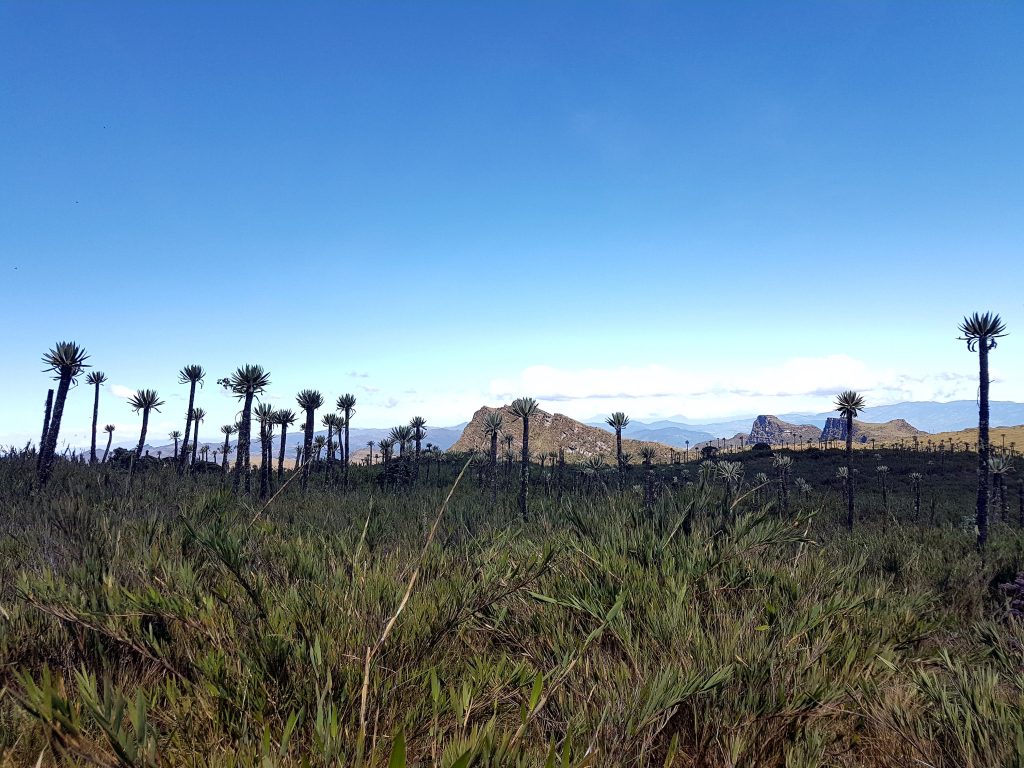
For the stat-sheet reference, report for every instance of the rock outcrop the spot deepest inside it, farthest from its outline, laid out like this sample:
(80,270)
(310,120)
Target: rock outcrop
(865,432)
(550,432)
(834,429)
(774,431)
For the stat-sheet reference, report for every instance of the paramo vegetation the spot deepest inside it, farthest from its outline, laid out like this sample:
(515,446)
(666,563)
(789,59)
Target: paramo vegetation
(775,607)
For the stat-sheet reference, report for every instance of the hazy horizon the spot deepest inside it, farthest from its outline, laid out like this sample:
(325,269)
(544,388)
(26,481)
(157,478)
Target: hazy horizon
(127,433)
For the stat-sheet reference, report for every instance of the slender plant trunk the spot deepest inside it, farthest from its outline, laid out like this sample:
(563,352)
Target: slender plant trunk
(224,454)
(307,447)
(618,452)
(268,449)
(242,452)
(110,439)
(280,454)
(329,465)
(524,473)
(183,456)
(48,409)
(494,468)
(849,472)
(917,500)
(95,421)
(982,505)
(347,415)
(195,441)
(53,430)
(264,462)
(142,435)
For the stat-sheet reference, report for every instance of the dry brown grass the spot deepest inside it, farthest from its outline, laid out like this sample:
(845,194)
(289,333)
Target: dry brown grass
(998,436)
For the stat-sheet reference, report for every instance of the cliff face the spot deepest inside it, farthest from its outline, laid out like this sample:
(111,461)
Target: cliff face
(835,429)
(551,432)
(774,431)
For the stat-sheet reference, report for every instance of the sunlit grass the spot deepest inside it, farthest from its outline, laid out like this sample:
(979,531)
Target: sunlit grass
(170,623)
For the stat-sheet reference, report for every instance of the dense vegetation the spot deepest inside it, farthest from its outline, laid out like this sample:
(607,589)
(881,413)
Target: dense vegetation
(795,608)
(698,614)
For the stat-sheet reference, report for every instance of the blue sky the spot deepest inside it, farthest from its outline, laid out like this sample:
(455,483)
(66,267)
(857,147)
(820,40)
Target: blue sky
(664,208)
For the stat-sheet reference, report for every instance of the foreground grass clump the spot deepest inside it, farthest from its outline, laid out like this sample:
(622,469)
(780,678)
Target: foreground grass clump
(170,623)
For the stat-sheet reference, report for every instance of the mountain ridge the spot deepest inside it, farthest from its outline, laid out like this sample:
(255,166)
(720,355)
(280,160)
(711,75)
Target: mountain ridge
(925,415)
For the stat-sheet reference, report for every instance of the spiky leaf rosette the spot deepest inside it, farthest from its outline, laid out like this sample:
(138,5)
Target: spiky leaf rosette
(145,399)
(988,326)
(66,358)
(849,403)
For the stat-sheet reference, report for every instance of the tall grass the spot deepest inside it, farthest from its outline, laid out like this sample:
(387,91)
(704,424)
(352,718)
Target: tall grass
(169,623)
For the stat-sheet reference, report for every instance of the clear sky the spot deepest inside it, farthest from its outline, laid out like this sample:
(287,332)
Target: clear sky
(706,209)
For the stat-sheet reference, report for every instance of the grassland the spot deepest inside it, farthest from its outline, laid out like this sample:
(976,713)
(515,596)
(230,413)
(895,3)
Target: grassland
(152,620)
(999,436)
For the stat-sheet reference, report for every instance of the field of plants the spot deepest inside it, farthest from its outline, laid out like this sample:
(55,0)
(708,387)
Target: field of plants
(715,614)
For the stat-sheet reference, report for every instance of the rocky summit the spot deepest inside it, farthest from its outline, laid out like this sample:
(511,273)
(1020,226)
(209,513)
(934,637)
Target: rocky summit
(550,432)
(774,431)
(834,429)
(864,432)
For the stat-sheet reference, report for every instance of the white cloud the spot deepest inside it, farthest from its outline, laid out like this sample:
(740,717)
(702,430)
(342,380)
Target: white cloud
(796,384)
(119,390)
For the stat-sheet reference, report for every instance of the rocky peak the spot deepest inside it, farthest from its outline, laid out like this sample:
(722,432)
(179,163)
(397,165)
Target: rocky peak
(551,432)
(774,431)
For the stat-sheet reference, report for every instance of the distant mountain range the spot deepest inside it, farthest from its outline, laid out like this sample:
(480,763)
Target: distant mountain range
(675,431)
(925,416)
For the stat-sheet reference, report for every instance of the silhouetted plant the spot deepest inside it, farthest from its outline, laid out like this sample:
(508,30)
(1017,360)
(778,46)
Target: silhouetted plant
(109,429)
(524,408)
(309,400)
(95,379)
(144,400)
(980,332)
(618,421)
(245,383)
(284,418)
(227,430)
(849,404)
(198,415)
(347,405)
(65,361)
(418,425)
(493,424)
